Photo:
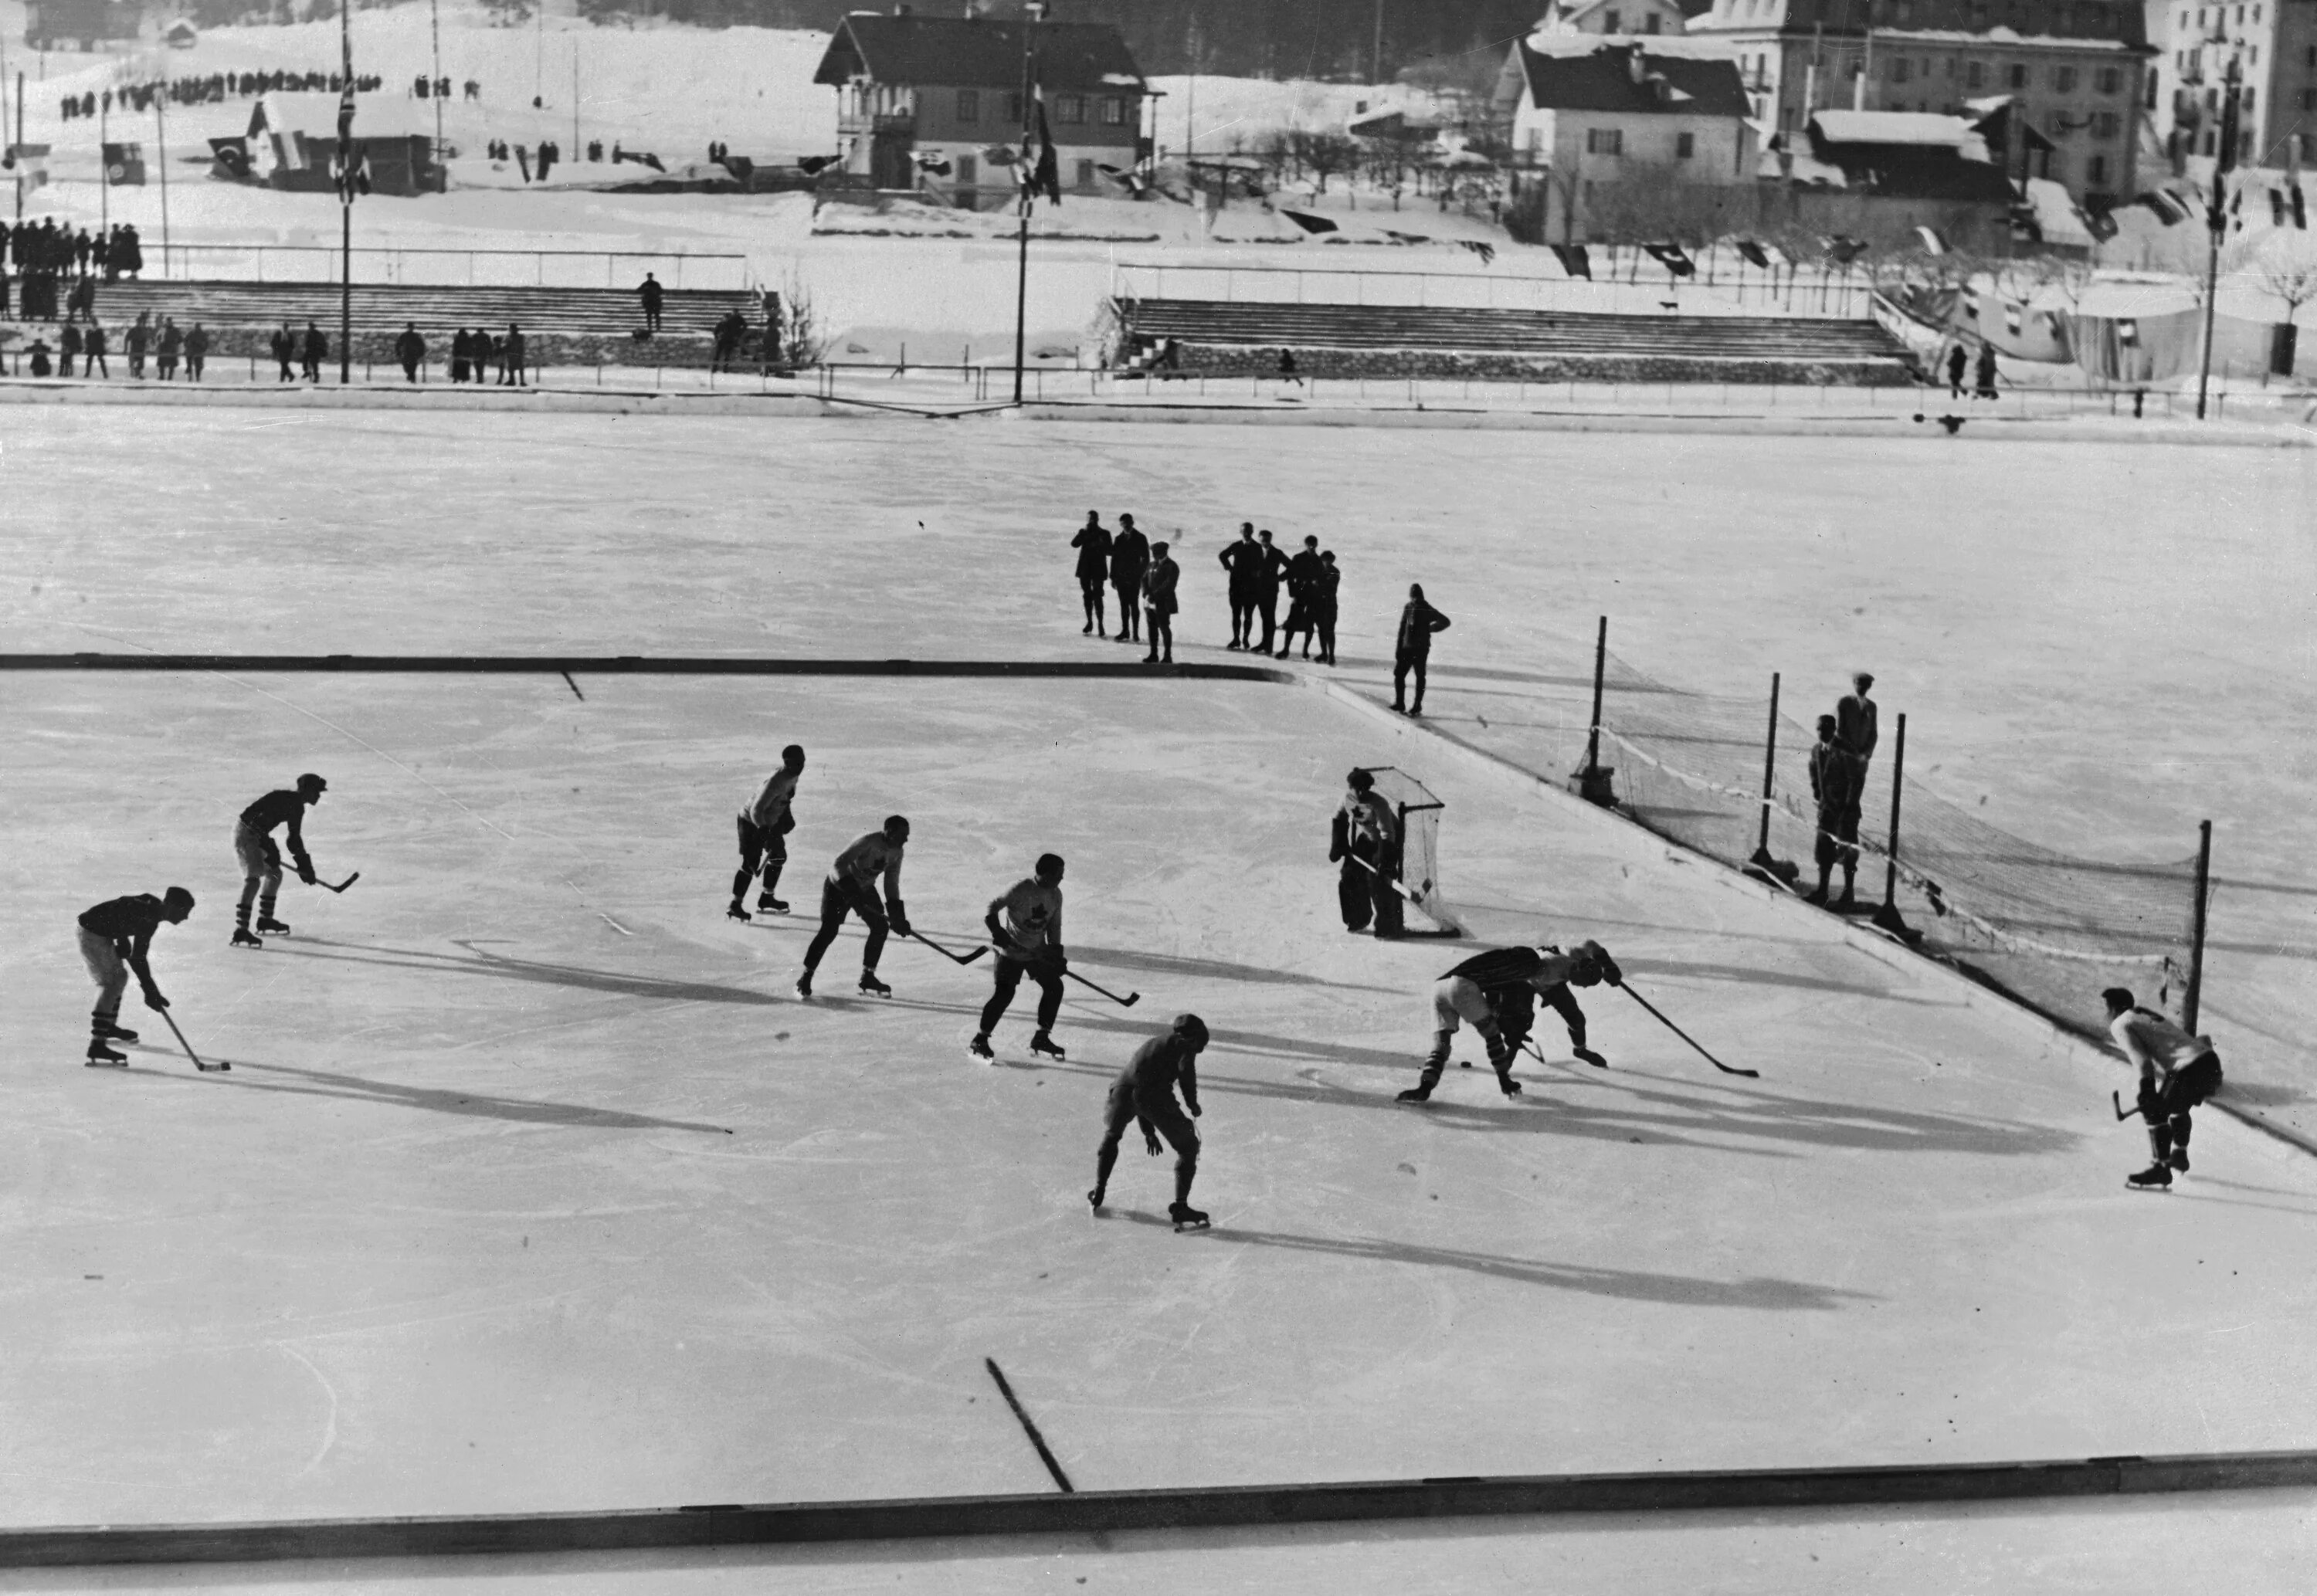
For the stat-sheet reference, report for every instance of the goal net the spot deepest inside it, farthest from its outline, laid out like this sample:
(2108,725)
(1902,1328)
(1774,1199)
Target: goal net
(1419,843)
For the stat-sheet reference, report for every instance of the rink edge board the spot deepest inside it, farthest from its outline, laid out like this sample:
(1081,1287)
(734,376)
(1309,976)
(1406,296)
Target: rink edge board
(1202,1508)
(629,665)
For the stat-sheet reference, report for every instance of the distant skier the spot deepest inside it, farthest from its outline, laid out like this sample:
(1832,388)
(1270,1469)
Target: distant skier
(261,860)
(852,890)
(764,827)
(1028,943)
(1365,838)
(1093,544)
(1159,604)
(1498,990)
(1144,1093)
(1242,559)
(2176,1072)
(115,936)
(1130,562)
(1418,622)
(1836,776)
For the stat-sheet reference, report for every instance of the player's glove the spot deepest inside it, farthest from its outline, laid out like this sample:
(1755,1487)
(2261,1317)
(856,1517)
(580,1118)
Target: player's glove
(1609,970)
(305,871)
(2151,1105)
(787,824)
(898,916)
(154,1000)
(1151,1142)
(1192,1107)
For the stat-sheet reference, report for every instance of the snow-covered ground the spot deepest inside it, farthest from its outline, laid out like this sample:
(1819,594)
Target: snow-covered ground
(531,1188)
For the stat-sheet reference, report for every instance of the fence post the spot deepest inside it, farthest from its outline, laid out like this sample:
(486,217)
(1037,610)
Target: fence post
(1887,916)
(2194,997)
(1762,863)
(1592,781)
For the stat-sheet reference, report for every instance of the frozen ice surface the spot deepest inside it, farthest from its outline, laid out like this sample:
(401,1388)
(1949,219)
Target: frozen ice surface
(464,1230)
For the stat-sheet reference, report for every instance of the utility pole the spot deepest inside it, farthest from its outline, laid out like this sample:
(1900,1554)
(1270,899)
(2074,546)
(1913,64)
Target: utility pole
(103,170)
(435,88)
(161,135)
(345,193)
(2217,219)
(1031,15)
(1378,56)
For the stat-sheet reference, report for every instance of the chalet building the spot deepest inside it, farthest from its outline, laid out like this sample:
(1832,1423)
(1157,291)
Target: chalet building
(1646,18)
(1593,116)
(933,104)
(2073,69)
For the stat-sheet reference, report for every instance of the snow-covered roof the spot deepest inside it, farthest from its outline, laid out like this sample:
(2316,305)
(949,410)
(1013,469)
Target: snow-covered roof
(2115,301)
(2056,216)
(314,113)
(1571,46)
(1998,35)
(1897,127)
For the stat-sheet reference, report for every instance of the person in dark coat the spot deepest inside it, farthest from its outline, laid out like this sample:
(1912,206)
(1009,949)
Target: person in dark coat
(1836,780)
(411,349)
(197,351)
(514,368)
(1323,605)
(1129,561)
(1301,571)
(1270,565)
(1093,544)
(316,351)
(171,345)
(41,366)
(1986,372)
(1241,560)
(284,345)
(463,346)
(1413,647)
(650,292)
(1159,604)
(136,341)
(68,345)
(92,362)
(1957,360)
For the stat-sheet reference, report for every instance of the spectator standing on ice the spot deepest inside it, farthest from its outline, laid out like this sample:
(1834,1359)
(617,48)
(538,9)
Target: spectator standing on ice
(1958,361)
(137,340)
(1854,720)
(92,348)
(197,351)
(650,292)
(316,351)
(1323,605)
(1301,571)
(170,346)
(1413,649)
(68,346)
(284,345)
(411,349)
(1093,544)
(1287,368)
(1239,560)
(1270,565)
(1159,604)
(2176,1072)
(462,345)
(1986,372)
(1836,781)
(115,939)
(513,365)
(1129,561)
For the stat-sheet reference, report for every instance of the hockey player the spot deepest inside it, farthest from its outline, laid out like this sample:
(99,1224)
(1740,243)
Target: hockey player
(1029,941)
(764,827)
(1365,838)
(261,860)
(1836,776)
(2176,1072)
(1496,991)
(115,936)
(1144,1093)
(852,890)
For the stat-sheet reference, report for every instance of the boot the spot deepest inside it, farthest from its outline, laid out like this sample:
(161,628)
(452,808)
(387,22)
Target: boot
(100,1056)
(2156,1177)
(105,1031)
(243,937)
(737,912)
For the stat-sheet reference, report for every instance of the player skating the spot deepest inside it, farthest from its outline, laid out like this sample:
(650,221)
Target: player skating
(261,860)
(2176,1072)
(852,890)
(764,826)
(1144,1093)
(1029,941)
(115,938)
(1497,992)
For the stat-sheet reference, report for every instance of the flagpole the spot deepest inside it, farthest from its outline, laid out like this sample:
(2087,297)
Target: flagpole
(2217,220)
(1028,176)
(161,126)
(346,195)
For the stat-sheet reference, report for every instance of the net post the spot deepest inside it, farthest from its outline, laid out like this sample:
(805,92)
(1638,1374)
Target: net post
(2194,997)
(1762,861)
(1593,781)
(1887,917)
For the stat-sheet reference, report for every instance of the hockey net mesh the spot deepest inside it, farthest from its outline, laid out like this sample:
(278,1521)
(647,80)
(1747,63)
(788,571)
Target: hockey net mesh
(2050,928)
(1419,843)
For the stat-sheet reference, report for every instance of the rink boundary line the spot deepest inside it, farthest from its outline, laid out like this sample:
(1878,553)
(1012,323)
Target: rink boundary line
(1194,1508)
(629,664)
(1976,994)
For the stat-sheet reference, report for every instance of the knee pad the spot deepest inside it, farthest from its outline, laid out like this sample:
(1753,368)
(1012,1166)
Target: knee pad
(2152,1106)
(2179,1127)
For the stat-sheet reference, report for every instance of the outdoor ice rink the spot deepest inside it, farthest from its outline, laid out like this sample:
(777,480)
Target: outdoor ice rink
(533,1188)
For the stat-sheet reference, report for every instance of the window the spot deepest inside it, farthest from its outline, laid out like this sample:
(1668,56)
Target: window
(1113,111)
(1901,69)
(1013,110)
(2017,77)
(1086,176)
(2064,80)
(1612,22)
(1069,109)
(2309,99)
(968,171)
(1649,23)
(2111,79)
(1974,75)
(1685,145)
(2105,125)
(969,106)
(1605,141)
(2096,172)
(1535,142)
(2248,100)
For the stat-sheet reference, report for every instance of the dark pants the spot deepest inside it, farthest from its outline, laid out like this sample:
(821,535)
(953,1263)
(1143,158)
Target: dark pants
(1242,606)
(1299,619)
(1162,631)
(1130,607)
(1324,618)
(760,846)
(1122,1109)
(1006,977)
(2166,1108)
(651,316)
(410,370)
(1837,839)
(1267,604)
(1401,665)
(838,898)
(287,374)
(1090,595)
(1364,893)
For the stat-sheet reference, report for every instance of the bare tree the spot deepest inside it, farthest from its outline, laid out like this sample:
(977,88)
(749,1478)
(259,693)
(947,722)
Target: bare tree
(803,337)
(2286,262)
(1325,154)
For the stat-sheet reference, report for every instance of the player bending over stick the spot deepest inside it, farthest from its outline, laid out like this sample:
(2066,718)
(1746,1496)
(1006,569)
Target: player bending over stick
(852,890)
(115,936)
(1029,942)
(1144,1093)
(1498,990)
(261,860)
(2176,1072)
(764,826)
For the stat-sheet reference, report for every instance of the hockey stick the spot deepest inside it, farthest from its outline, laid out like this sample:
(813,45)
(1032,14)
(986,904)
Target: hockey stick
(1391,881)
(1128,1002)
(1588,1056)
(1627,987)
(340,885)
(217,1068)
(2121,1113)
(919,936)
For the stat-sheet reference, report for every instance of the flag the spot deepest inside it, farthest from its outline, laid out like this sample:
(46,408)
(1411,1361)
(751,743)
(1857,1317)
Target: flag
(1308,222)
(1046,176)
(1934,241)
(1752,253)
(1573,260)
(1670,256)
(1479,247)
(1842,249)
(2224,159)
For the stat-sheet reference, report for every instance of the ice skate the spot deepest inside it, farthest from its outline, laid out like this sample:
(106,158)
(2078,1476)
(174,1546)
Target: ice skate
(979,1048)
(1415,1094)
(1042,1043)
(737,912)
(100,1056)
(1185,1217)
(804,987)
(1505,1081)
(271,927)
(2156,1177)
(2178,1160)
(109,1032)
(769,904)
(871,986)
(1094,1200)
(243,937)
